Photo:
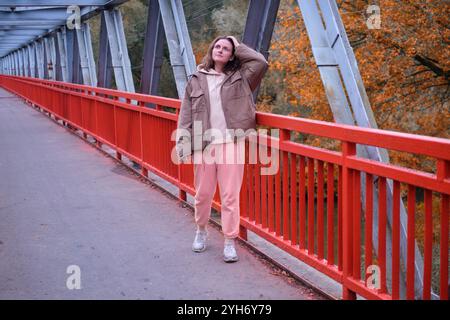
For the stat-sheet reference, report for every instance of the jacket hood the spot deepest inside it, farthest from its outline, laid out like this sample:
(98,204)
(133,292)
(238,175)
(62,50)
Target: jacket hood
(210,72)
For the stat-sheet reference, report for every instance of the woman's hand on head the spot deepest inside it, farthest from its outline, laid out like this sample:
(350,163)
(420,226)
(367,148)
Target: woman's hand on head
(235,42)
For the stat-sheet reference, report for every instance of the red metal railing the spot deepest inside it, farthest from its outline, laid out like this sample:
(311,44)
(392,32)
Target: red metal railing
(328,228)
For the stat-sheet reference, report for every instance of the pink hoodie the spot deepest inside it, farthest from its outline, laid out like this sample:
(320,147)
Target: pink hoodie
(219,133)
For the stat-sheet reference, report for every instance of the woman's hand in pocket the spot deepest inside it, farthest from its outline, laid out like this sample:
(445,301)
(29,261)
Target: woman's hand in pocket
(187,159)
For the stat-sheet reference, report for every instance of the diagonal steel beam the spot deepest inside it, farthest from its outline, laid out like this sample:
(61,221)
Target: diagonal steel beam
(86,55)
(32,59)
(104,58)
(118,48)
(335,60)
(62,68)
(181,55)
(153,50)
(261,17)
(53,3)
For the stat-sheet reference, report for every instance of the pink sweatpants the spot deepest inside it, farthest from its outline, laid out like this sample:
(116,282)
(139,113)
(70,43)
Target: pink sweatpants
(229,175)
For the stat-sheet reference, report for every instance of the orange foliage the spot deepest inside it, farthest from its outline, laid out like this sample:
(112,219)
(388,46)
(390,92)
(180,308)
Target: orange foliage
(404,65)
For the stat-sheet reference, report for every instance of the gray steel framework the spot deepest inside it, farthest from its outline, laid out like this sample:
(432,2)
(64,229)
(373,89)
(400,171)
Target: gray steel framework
(35,42)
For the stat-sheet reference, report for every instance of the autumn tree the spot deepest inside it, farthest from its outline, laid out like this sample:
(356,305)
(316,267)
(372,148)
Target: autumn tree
(404,65)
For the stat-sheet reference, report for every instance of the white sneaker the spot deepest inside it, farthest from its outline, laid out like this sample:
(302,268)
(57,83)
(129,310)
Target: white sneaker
(199,244)
(229,251)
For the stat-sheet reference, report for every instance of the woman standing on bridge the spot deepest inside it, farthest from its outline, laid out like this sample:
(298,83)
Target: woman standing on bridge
(217,103)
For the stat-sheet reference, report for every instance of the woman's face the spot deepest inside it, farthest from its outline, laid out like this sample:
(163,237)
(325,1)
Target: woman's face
(222,51)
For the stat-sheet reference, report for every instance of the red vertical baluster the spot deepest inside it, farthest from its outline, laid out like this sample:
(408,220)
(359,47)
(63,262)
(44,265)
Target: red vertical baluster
(443,172)
(428,249)
(410,245)
(263,198)
(278,199)
(348,150)
(382,230)
(340,240)
(293,199)
(310,206)
(369,221)
(444,247)
(251,193)
(396,241)
(357,225)
(244,191)
(257,179)
(271,197)
(284,134)
(302,195)
(330,214)
(320,228)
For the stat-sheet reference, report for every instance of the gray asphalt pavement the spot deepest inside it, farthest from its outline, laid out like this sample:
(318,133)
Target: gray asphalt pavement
(64,203)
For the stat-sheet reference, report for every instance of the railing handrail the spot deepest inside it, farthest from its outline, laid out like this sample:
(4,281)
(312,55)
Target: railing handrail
(438,148)
(125,119)
(167,102)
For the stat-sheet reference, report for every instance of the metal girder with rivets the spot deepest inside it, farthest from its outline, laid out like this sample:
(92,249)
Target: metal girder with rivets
(17,65)
(104,58)
(11,64)
(20,25)
(69,37)
(181,55)
(18,62)
(14,63)
(153,50)
(21,64)
(53,3)
(8,65)
(4,61)
(32,59)
(40,59)
(20,59)
(76,66)
(118,48)
(261,17)
(86,55)
(49,43)
(335,60)
(62,72)
(26,62)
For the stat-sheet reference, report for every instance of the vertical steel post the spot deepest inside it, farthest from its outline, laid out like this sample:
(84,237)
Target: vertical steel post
(104,60)
(63,57)
(181,55)
(118,49)
(153,50)
(259,26)
(86,56)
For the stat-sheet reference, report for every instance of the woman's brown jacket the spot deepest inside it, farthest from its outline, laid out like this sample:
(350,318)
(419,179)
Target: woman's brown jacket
(237,101)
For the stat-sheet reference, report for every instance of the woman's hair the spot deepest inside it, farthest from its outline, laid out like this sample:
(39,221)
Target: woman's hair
(208,62)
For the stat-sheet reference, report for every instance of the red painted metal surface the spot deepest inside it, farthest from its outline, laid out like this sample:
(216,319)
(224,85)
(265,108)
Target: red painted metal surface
(396,242)
(289,208)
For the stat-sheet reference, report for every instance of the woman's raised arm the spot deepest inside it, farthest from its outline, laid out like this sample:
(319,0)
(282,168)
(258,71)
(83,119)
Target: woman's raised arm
(253,64)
